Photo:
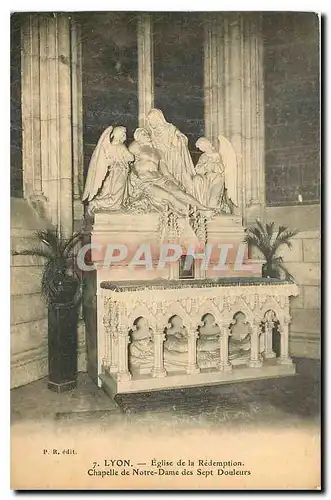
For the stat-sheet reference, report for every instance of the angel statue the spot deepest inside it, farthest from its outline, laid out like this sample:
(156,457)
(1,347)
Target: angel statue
(151,186)
(229,158)
(216,175)
(173,148)
(106,183)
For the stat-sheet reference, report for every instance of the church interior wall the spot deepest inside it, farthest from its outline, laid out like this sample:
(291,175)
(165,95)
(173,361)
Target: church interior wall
(110,82)
(292,160)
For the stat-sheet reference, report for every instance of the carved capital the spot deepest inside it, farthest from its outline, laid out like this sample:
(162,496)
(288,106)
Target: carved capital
(123,334)
(284,323)
(257,327)
(193,333)
(225,331)
(270,316)
(159,335)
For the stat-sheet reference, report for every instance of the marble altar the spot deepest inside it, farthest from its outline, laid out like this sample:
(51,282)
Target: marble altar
(157,326)
(176,363)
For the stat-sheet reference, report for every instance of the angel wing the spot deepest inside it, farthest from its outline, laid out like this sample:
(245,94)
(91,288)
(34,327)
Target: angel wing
(98,167)
(230,168)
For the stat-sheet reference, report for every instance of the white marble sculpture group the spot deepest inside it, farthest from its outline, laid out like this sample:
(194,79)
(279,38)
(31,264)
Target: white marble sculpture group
(155,329)
(156,171)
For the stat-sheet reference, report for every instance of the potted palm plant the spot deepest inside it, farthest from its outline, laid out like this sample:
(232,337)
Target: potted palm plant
(268,240)
(59,287)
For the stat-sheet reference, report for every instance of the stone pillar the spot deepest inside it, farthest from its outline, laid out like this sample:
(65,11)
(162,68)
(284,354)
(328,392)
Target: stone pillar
(106,323)
(158,368)
(224,363)
(284,358)
(145,67)
(123,373)
(234,98)
(108,310)
(212,82)
(31,119)
(192,366)
(101,307)
(77,119)
(255,359)
(113,340)
(268,329)
(51,114)
(113,352)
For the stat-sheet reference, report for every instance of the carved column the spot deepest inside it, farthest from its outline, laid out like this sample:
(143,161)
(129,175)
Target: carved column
(212,83)
(52,115)
(268,329)
(77,118)
(55,94)
(224,363)
(123,373)
(255,359)
(234,98)
(192,366)
(106,323)
(158,368)
(113,338)
(283,328)
(102,332)
(31,125)
(145,67)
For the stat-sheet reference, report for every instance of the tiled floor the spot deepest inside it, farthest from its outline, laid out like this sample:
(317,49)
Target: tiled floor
(36,401)
(289,401)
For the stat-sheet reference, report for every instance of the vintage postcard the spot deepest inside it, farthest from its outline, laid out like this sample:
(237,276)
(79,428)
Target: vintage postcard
(165,250)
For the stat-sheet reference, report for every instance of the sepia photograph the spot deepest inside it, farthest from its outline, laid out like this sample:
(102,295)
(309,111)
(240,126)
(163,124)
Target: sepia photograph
(165,241)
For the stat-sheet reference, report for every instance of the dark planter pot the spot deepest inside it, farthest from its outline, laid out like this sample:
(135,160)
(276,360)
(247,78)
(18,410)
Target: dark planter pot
(270,271)
(65,289)
(62,340)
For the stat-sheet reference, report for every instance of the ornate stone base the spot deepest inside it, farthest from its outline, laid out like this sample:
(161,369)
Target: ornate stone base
(193,370)
(255,363)
(123,377)
(179,363)
(270,369)
(285,361)
(159,373)
(225,367)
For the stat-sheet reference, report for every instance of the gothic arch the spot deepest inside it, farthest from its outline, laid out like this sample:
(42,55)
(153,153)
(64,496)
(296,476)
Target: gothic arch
(138,312)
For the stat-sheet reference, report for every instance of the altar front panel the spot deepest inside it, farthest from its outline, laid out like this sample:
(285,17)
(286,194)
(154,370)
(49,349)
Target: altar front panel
(264,305)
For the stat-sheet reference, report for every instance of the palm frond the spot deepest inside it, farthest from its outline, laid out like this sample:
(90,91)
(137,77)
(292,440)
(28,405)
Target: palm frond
(71,243)
(264,232)
(259,237)
(281,229)
(270,230)
(59,258)
(284,238)
(252,239)
(49,237)
(34,251)
(278,259)
(262,237)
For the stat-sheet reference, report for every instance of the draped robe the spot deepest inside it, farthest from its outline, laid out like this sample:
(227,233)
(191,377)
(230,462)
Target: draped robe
(172,145)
